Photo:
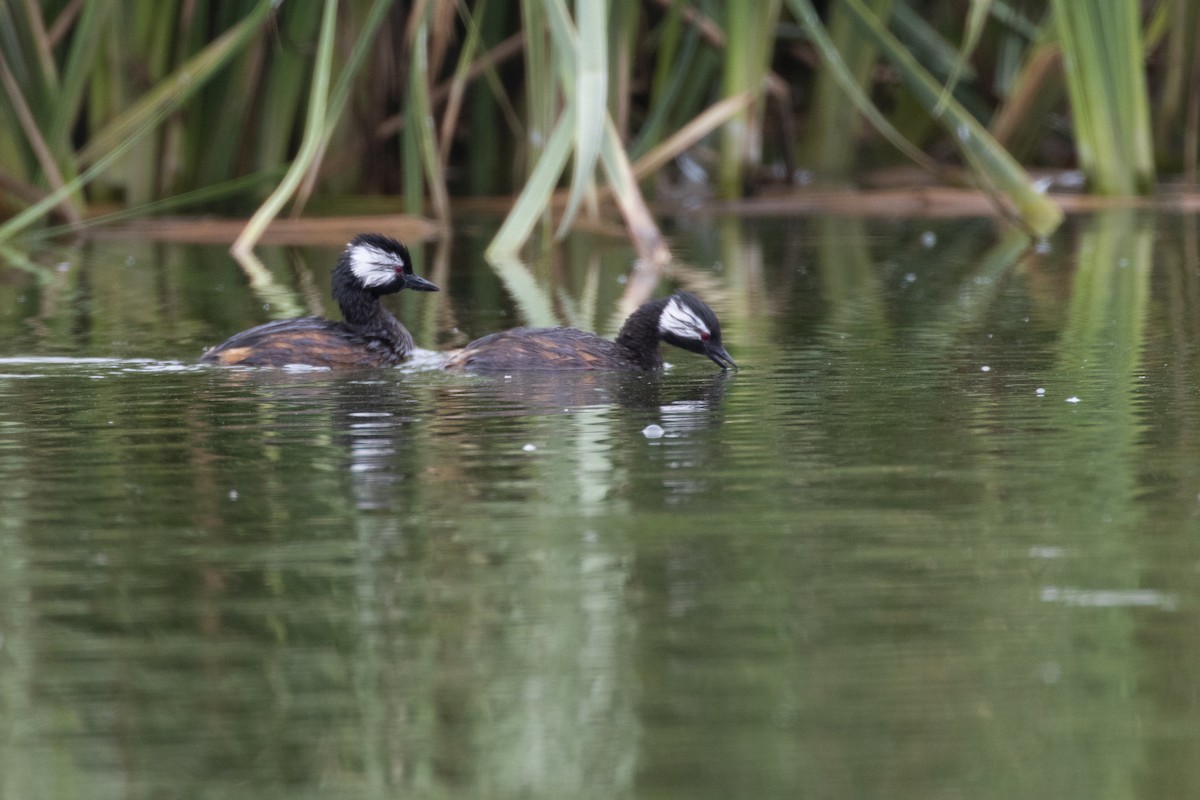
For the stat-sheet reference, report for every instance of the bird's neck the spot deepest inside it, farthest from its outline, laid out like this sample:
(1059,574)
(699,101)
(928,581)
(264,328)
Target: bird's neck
(360,307)
(639,335)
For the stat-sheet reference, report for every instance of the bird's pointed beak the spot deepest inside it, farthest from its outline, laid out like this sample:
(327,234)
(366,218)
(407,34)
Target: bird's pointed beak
(719,355)
(419,284)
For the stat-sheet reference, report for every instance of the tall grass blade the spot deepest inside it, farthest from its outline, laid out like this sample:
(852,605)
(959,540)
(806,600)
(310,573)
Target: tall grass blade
(590,98)
(34,137)
(177,87)
(284,82)
(194,198)
(991,164)
(848,59)
(35,212)
(1106,81)
(341,94)
(458,84)
(975,21)
(310,145)
(421,124)
(749,43)
(675,51)
(540,90)
(534,198)
(626,16)
(850,83)
(582,64)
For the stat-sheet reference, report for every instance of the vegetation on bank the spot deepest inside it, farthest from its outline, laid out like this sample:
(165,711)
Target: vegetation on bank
(140,109)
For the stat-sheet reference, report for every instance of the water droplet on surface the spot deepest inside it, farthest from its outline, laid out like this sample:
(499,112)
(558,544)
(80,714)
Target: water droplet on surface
(653,431)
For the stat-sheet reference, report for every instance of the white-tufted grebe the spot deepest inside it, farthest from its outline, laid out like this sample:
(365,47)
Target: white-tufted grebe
(371,265)
(681,319)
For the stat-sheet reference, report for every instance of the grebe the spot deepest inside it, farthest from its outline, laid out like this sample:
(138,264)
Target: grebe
(370,266)
(681,319)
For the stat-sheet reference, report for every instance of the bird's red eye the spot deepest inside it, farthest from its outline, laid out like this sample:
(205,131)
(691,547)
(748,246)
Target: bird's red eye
(704,336)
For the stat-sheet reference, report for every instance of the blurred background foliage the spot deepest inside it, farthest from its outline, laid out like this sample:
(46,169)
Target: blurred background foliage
(115,108)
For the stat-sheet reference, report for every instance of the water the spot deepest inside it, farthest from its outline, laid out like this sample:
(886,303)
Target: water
(936,539)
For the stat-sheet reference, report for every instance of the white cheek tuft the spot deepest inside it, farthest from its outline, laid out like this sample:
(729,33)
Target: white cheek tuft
(372,266)
(682,321)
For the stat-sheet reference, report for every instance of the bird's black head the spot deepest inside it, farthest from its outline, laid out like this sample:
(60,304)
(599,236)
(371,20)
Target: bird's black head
(381,265)
(687,322)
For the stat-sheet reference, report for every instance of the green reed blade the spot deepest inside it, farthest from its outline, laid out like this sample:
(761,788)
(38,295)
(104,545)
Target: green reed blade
(975,21)
(535,196)
(420,116)
(673,57)
(749,41)
(582,52)
(1106,81)
(284,83)
(849,83)
(458,83)
(990,162)
(35,212)
(45,158)
(197,197)
(180,85)
(848,58)
(626,24)
(341,95)
(947,62)
(310,144)
(540,89)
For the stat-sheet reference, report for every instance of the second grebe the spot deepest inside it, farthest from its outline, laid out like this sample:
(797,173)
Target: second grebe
(681,319)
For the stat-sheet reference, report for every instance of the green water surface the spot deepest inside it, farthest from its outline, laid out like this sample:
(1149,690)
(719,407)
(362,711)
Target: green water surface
(939,537)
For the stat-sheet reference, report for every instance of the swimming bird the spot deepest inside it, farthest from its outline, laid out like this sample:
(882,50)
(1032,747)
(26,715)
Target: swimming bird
(682,319)
(372,265)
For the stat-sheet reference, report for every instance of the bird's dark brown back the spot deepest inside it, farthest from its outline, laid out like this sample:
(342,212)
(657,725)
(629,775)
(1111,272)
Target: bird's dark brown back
(540,348)
(308,340)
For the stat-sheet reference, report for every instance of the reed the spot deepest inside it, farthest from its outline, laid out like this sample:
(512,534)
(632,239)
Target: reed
(1102,50)
(141,107)
(849,59)
(748,27)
